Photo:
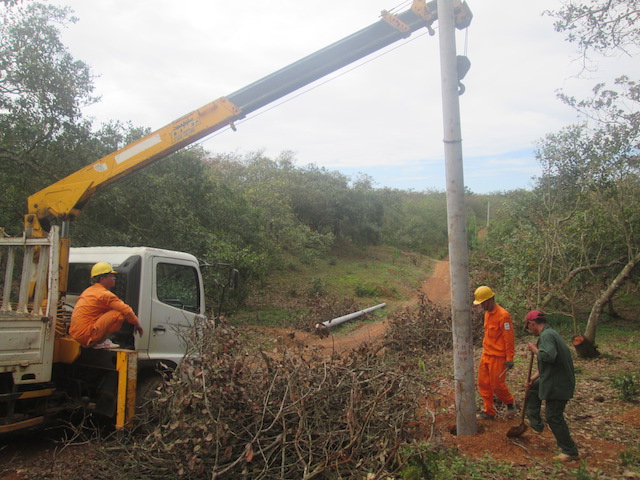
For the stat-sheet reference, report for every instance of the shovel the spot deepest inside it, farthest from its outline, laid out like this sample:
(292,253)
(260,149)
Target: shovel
(517,430)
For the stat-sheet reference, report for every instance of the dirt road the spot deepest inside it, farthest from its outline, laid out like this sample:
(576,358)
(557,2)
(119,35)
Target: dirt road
(436,288)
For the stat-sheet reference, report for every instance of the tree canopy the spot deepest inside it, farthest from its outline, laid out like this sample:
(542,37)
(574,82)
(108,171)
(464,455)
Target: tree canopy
(600,26)
(573,241)
(42,91)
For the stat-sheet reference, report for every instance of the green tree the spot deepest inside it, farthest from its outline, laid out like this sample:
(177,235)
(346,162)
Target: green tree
(575,237)
(416,221)
(42,89)
(610,27)
(326,201)
(363,215)
(11,3)
(600,26)
(174,204)
(507,259)
(267,185)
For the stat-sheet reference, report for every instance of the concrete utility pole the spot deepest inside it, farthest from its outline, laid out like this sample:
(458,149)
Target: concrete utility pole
(456,216)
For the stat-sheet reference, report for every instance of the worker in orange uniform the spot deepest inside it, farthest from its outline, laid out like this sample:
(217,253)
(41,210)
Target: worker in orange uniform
(498,350)
(99,312)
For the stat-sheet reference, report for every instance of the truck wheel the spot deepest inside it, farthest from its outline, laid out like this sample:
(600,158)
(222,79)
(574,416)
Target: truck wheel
(145,394)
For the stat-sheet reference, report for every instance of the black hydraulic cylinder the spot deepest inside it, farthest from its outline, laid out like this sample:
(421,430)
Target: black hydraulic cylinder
(325,61)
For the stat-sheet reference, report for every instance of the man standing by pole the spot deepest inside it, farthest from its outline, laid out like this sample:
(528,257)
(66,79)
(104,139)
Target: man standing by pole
(554,383)
(498,350)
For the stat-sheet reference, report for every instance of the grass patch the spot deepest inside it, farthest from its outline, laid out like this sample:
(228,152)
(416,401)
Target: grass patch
(370,275)
(268,317)
(631,458)
(621,330)
(426,461)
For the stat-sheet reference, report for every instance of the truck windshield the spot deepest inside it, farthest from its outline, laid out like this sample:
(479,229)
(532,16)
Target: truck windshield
(178,286)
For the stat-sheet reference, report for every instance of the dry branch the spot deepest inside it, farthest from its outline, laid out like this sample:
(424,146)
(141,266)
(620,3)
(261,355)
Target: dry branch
(426,328)
(233,414)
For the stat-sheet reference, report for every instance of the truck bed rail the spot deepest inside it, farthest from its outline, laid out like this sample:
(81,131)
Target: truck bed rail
(28,304)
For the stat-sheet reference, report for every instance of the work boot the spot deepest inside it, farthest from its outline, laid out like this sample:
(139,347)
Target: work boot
(563,457)
(511,410)
(485,416)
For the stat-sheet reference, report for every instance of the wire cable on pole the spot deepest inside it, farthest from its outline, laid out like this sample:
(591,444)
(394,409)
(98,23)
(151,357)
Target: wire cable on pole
(311,88)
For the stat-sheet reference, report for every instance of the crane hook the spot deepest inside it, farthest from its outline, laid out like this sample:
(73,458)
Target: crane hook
(464,64)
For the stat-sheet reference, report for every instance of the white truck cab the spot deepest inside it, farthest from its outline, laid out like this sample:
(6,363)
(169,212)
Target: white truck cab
(163,287)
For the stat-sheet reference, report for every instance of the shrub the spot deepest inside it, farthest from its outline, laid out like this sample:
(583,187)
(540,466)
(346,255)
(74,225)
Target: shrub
(318,287)
(630,457)
(366,290)
(628,386)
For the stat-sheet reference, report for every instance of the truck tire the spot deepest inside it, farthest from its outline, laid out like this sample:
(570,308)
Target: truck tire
(146,392)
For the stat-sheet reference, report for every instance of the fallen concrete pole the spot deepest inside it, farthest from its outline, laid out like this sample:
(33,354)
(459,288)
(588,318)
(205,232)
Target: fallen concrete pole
(344,318)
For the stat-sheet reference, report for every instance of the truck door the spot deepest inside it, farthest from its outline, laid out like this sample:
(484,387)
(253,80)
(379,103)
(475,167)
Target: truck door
(175,302)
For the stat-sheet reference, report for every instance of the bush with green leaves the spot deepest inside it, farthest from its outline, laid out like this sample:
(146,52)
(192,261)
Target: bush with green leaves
(628,386)
(631,457)
(318,287)
(428,461)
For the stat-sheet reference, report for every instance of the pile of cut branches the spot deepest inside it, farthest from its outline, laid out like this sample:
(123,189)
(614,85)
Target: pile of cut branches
(315,310)
(232,414)
(426,327)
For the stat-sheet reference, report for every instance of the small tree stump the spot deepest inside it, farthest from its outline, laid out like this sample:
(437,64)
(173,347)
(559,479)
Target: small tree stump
(584,347)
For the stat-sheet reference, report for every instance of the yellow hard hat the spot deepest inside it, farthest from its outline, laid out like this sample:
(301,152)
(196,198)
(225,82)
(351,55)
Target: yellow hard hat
(101,268)
(482,294)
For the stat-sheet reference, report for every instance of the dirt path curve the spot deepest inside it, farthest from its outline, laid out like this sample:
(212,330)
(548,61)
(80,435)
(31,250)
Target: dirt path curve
(436,287)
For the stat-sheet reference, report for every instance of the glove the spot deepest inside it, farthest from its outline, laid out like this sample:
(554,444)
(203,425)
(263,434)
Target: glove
(509,365)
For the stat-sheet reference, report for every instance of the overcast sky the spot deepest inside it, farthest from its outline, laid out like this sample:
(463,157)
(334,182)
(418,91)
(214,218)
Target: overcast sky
(157,60)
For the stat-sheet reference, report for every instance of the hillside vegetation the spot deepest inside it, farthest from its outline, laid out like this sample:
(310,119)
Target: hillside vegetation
(347,277)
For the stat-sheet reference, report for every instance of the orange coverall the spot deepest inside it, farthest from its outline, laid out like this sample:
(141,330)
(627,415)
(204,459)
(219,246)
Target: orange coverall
(498,347)
(98,312)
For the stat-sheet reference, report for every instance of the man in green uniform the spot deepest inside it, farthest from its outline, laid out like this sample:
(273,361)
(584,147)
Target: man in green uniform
(554,383)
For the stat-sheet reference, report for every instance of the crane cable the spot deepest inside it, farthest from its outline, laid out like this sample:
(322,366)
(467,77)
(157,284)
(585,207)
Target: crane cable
(330,79)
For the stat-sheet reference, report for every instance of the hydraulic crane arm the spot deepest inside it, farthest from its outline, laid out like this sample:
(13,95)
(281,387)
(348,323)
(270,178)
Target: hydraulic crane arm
(65,199)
